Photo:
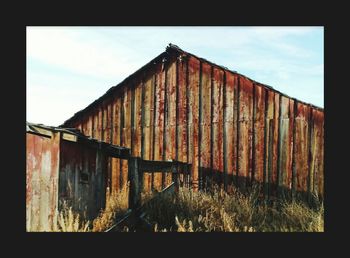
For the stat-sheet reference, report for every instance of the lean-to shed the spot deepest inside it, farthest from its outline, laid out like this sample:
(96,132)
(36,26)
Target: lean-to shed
(63,165)
(229,127)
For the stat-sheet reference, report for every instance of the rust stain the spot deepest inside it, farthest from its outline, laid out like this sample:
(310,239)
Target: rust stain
(259,134)
(231,84)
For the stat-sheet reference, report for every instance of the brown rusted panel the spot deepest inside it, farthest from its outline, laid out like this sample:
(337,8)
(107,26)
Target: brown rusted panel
(193,91)
(35,209)
(29,173)
(126,131)
(275,142)
(316,164)
(115,163)
(290,144)
(44,185)
(259,133)
(285,147)
(89,126)
(108,123)
(147,127)
(245,130)
(54,176)
(319,165)
(99,124)
(182,111)
(231,84)
(95,124)
(269,136)
(217,122)
(159,122)
(136,138)
(301,148)
(205,123)
(170,116)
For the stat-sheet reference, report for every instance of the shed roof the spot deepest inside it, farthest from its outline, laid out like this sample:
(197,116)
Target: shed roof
(172,49)
(74,135)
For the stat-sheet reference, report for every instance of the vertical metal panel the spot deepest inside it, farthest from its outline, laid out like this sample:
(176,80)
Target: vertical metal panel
(217,122)
(269,138)
(147,127)
(35,209)
(136,137)
(275,145)
(45,185)
(159,122)
(126,131)
(285,154)
(193,87)
(182,111)
(301,149)
(116,140)
(42,181)
(205,123)
(170,116)
(231,85)
(245,130)
(99,124)
(316,164)
(259,133)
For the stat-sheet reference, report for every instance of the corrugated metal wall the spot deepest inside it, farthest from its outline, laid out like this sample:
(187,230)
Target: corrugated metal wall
(41,181)
(184,108)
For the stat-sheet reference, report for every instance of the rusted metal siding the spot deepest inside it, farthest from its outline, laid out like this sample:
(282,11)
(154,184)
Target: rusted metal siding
(159,121)
(230,141)
(193,119)
(245,105)
(188,109)
(86,197)
(259,133)
(41,181)
(217,150)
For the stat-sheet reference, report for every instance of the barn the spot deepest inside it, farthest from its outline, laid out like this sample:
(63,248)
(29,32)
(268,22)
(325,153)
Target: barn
(229,127)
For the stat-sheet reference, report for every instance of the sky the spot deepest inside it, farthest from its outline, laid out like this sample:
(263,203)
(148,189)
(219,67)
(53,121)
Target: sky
(67,68)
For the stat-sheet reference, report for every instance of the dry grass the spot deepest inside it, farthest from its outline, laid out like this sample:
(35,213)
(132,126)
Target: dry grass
(116,204)
(68,221)
(217,210)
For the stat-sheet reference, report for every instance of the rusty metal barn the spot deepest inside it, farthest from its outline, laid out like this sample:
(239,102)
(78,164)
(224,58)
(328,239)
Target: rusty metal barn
(229,127)
(65,166)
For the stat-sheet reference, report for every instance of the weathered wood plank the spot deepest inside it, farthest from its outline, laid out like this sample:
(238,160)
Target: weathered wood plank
(229,125)
(193,87)
(245,131)
(170,121)
(159,122)
(217,122)
(182,111)
(259,134)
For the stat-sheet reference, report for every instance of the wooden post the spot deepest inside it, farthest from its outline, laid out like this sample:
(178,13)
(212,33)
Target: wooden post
(135,183)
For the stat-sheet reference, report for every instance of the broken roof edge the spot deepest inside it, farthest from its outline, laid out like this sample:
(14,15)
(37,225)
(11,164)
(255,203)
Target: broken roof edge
(33,128)
(169,48)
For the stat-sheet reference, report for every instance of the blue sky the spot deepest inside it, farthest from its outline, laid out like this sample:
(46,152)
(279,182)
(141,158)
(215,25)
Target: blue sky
(70,67)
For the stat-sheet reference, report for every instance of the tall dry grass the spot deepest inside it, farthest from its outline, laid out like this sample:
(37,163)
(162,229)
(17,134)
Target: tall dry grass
(217,210)
(69,221)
